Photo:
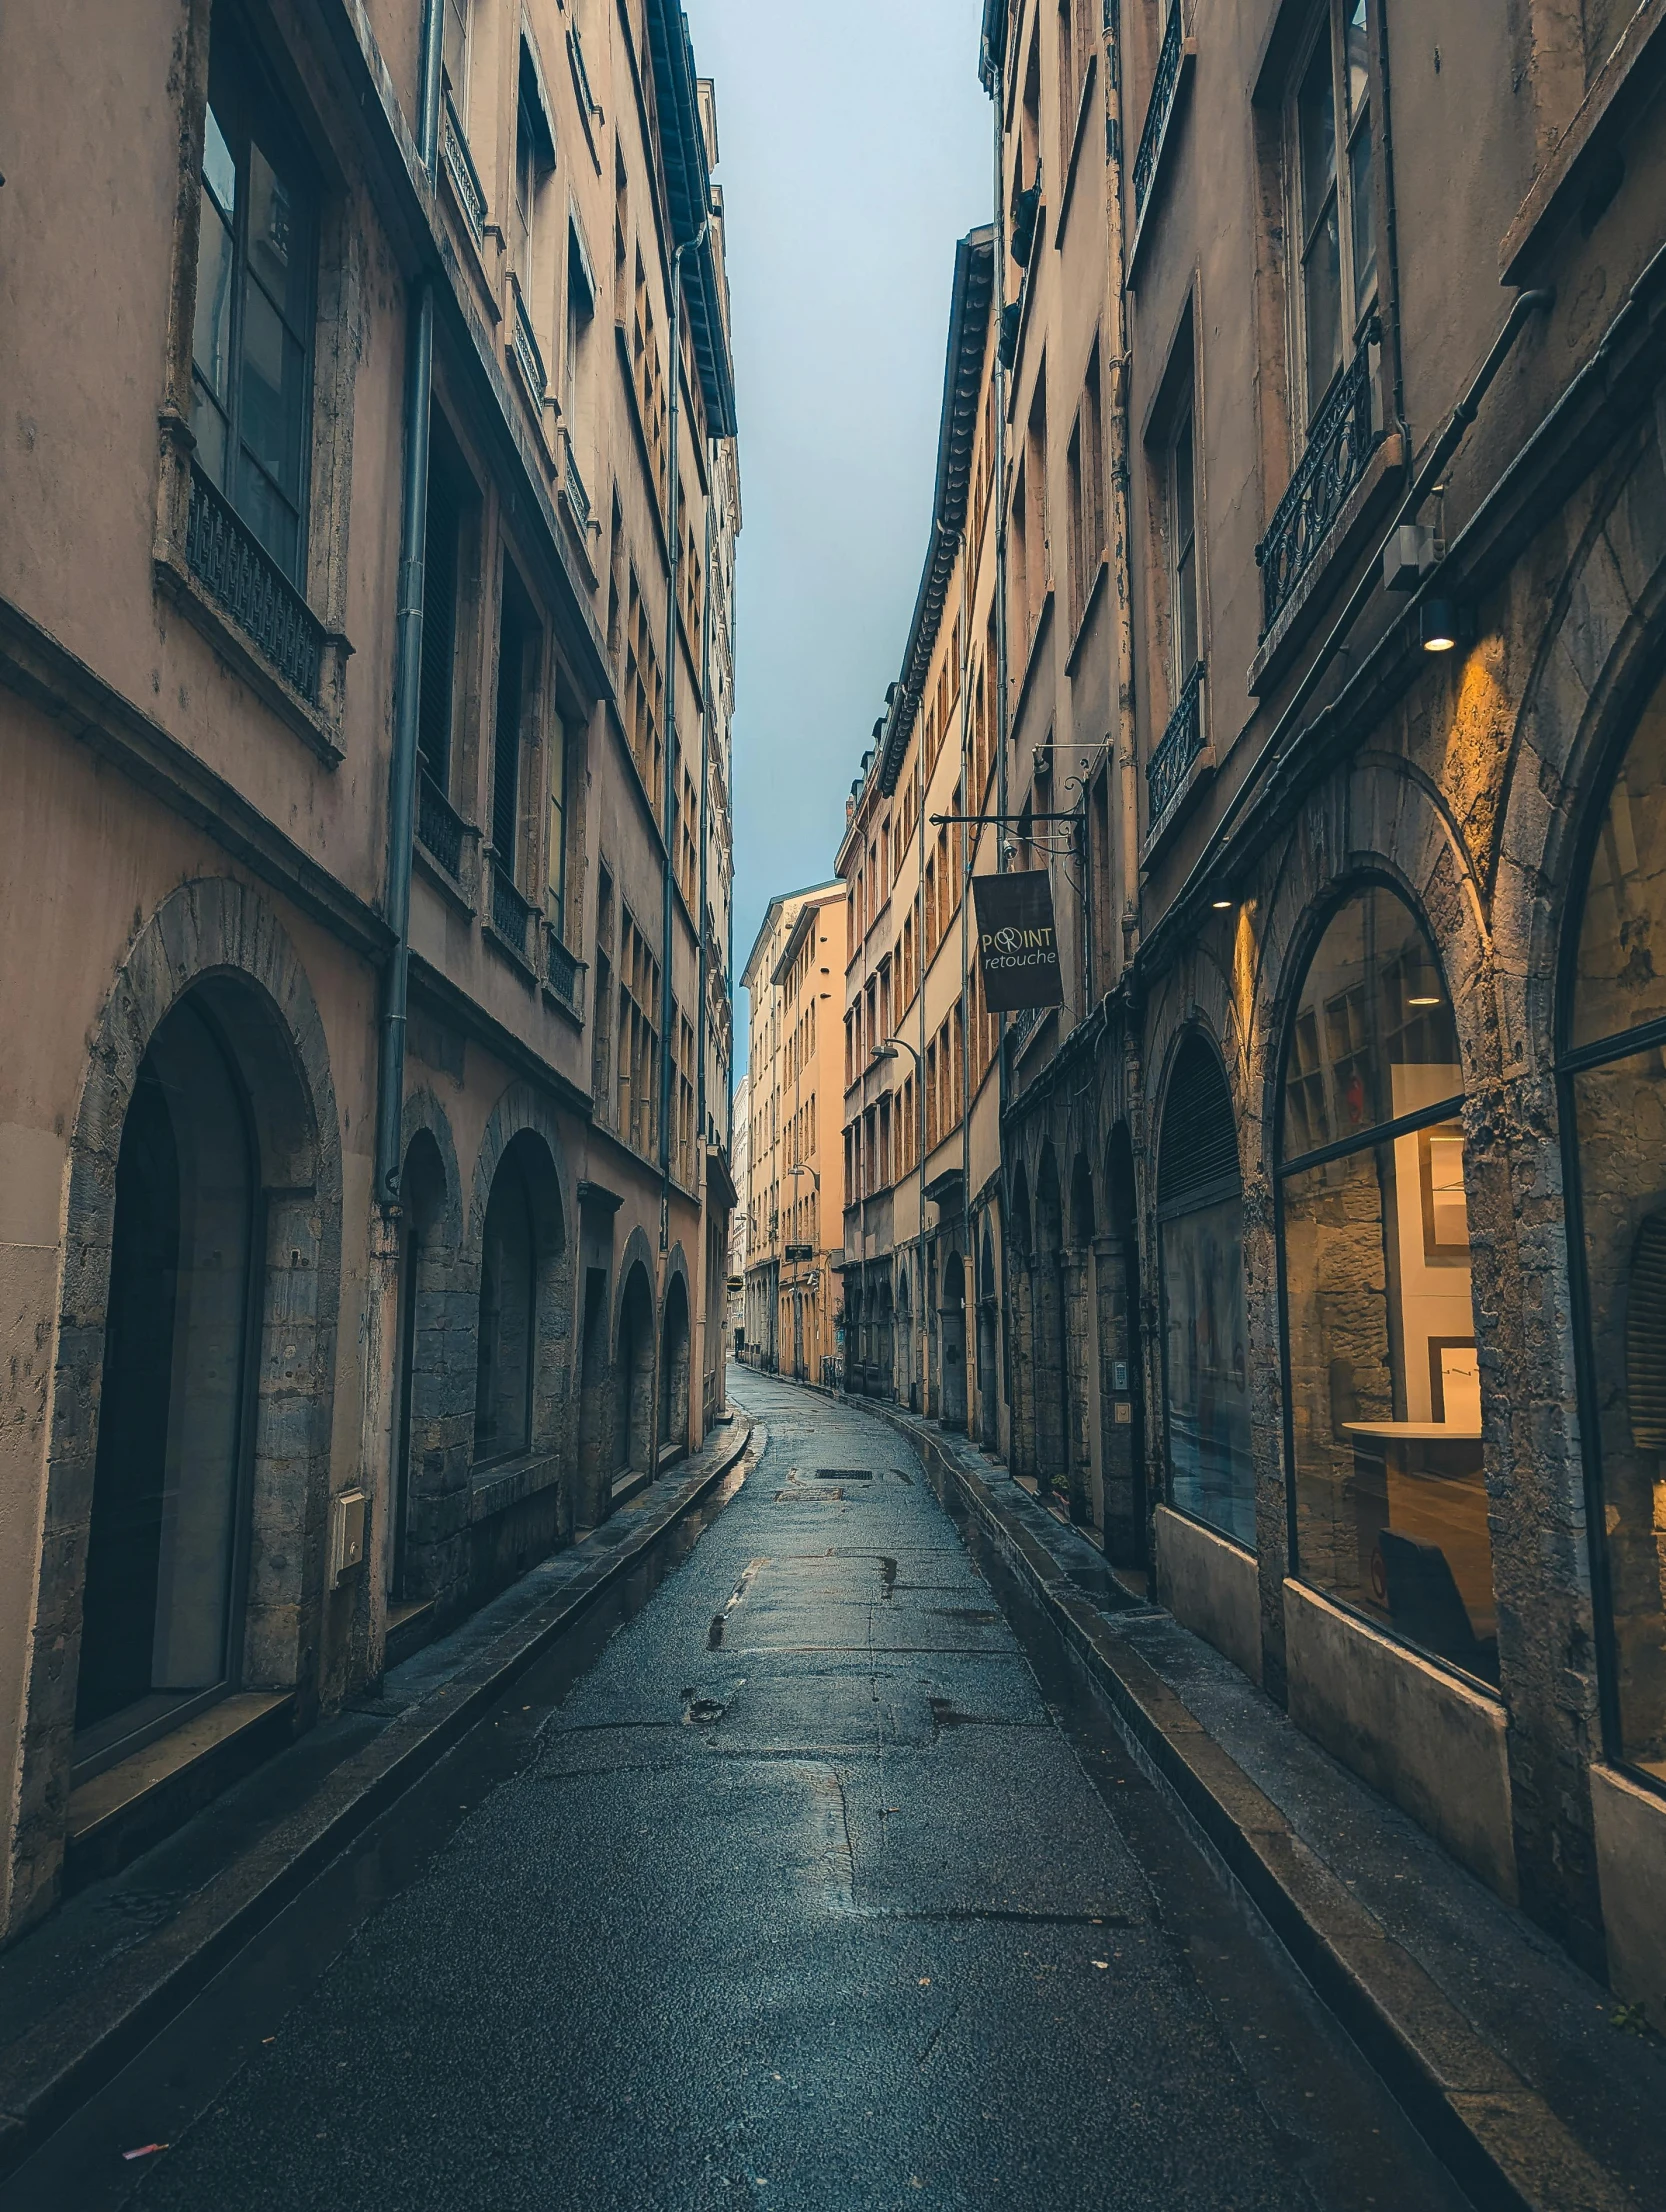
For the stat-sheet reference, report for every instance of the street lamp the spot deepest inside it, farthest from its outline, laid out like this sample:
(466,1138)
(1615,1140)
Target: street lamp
(888,1051)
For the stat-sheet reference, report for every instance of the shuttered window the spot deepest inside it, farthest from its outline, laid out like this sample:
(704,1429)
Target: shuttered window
(1197,1159)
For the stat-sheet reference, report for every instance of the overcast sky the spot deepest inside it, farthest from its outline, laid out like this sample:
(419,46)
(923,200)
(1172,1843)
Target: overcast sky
(855,150)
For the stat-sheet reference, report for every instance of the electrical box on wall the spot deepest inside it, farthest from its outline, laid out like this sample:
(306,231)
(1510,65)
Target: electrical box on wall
(348,1515)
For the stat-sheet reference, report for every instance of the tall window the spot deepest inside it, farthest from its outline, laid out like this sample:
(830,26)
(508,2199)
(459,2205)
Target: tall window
(1200,1217)
(1614,1038)
(251,352)
(1330,164)
(1086,469)
(555,852)
(581,313)
(534,159)
(1185,628)
(455,53)
(442,562)
(515,642)
(1388,1502)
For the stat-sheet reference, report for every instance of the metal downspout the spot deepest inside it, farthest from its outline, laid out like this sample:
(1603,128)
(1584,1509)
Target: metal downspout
(1002,704)
(402,773)
(668,816)
(700,930)
(1127,769)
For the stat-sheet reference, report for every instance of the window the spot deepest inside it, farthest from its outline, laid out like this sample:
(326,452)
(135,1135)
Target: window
(1184,626)
(534,160)
(1615,1092)
(1200,1227)
(1333,202)
(455,52)
(516,647)
(581,313)
(442,560)
(508,1313)
(1086,468)
(555,852)
(252,341)
(1389,1505)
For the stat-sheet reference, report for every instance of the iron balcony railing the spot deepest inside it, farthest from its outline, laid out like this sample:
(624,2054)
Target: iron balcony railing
(562,971)
(526,350)
(440,827)
(1159,108)
(512,913)
(235,569)
(1343,436)
(1167,769)
(465,177)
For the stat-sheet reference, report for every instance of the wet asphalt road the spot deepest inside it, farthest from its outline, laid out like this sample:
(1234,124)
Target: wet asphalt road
(804,1895)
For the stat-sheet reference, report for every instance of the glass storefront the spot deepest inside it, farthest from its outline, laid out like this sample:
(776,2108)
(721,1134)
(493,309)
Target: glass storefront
(1206,1337)
(1616,1088)
(1389,1504)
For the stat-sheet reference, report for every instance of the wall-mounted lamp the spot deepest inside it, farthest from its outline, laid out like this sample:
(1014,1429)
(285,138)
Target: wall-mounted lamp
(1437,625)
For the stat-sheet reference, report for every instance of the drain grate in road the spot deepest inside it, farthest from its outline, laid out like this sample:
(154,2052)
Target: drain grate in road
(844,1474)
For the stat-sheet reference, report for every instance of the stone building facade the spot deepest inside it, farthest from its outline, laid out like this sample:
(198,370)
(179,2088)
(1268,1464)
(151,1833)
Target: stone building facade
(794,1193)
(365,684)
(1330,547)
(923,1227)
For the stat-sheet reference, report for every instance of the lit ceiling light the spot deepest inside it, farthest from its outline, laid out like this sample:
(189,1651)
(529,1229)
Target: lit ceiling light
(1423,1001)
(1437,625)
(1221,906)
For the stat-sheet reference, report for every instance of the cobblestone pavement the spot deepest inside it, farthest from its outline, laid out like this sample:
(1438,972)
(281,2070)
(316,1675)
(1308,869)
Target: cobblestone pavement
(805,1895)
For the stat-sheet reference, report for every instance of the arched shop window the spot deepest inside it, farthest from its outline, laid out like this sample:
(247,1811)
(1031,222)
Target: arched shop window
(1614,1061)
(506,1350)
(1200,1218)
(1388,1505)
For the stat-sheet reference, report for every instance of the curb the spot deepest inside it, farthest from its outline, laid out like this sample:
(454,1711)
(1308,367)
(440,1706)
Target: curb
(1499,2138)
(55,2066)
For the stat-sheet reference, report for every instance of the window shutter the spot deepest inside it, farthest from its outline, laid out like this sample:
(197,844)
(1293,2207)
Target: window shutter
(1197,1157)
(1646,1338)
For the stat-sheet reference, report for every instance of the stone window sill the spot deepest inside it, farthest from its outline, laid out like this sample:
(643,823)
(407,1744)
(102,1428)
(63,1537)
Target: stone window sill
(318,727)
(493,1489)
(1325,572)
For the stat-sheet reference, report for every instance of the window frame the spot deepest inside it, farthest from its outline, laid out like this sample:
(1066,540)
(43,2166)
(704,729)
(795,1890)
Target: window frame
(1330,27)
(1573,1060)
(252,98)
(1284,1169)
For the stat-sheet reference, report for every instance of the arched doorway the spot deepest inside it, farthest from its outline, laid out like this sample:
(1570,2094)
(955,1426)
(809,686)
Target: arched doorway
(989,1430)
(674,1368)
(506,1348)
(1122,1355)
(1020,1329)
(1052,1469)
(592,1399)
(422,1200)
(167,1541)
(1077,1275)
(633,1370)
(953,1327)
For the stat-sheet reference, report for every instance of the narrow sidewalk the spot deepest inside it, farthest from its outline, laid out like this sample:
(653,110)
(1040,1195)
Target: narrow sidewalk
(1522,2072)
(87,1988)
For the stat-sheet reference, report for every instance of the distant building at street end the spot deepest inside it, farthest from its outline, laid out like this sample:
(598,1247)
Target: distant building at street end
(794,1196)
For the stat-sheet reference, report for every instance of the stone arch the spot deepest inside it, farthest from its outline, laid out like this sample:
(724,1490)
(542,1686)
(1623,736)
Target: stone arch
(952,1325)
(1049,1361)
(634,1364)
(988,1343)
(522,1129)
(675,1351)
(216,941)
(1020,1326)
(435,1404)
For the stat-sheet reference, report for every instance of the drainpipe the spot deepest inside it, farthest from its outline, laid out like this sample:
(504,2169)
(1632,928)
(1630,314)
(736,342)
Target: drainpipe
(1002,733)
(419,379)
(968,1305)
(1127,768)
(700,922)
(673,523)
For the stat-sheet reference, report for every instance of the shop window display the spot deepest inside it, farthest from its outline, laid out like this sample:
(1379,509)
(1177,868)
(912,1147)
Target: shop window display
(1615,1077)
(1389,1503)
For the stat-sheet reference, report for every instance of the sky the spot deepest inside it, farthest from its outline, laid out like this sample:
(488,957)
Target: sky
(854,150)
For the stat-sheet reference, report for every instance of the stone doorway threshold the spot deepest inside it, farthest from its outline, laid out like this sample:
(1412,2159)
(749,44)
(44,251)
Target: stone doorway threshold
(115,1815)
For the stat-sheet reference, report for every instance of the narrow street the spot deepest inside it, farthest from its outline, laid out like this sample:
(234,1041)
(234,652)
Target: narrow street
(813,1889)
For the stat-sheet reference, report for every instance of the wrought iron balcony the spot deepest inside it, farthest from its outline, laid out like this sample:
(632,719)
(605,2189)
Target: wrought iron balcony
(512,913)
(465,177)
(440,827)
(1340,441)
(562,972)
(232,565)
(1167,769)
(1159,108)
(527,355)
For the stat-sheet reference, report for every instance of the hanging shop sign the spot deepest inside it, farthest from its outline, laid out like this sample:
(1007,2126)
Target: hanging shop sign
(1018,947)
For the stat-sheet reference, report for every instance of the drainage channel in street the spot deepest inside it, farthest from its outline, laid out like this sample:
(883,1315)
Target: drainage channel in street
(155,2098)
